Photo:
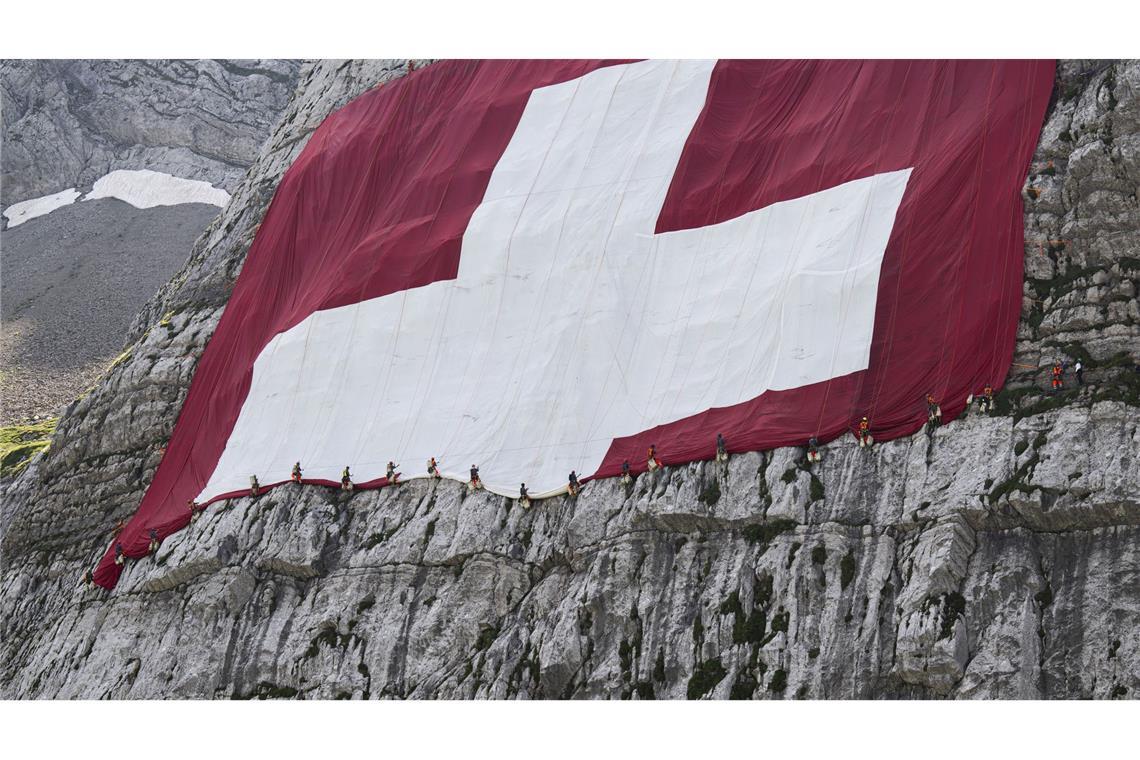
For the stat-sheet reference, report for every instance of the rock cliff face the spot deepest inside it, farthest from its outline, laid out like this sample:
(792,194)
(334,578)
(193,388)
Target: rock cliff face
(999,557)
(75,278)
(67,123)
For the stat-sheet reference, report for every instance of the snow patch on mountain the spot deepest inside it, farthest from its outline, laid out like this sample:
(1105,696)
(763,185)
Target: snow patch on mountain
(143,188)
(18,213)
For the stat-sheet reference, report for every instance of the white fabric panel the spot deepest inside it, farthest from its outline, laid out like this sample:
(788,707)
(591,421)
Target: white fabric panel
(570,322)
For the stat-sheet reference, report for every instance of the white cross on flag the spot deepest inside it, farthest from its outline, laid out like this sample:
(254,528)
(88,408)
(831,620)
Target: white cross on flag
(544,266)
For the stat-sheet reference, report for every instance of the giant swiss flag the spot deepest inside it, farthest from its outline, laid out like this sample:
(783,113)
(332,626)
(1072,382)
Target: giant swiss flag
(540,266)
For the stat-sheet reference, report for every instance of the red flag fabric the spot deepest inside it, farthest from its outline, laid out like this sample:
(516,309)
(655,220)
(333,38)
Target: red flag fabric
(589,194)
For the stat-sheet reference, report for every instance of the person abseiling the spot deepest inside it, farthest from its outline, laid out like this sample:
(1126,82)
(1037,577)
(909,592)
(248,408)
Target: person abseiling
(120,558)
(1079,371)
(721,449)
(391,472)
(153,547)
(88,578)
(346,479)
(813,450)
(864,434)
(194,510)
(433,468)
(295,476)
(653,461)
(572,485)
(254,486)
(986,400)
(626,478)
(475,483)
(1058,376)
(524,498)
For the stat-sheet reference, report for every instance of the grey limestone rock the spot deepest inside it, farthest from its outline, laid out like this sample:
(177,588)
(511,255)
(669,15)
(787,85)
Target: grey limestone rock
(998,558)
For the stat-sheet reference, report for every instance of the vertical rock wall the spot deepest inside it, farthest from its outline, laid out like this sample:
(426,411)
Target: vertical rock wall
(997,558)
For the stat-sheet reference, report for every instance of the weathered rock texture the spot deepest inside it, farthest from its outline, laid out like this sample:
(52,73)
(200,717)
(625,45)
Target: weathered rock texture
(75,278)
(67,123)
(998,558)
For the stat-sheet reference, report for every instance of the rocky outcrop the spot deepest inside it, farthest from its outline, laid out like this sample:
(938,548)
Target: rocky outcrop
(996,558)
(67,123)
(75,278)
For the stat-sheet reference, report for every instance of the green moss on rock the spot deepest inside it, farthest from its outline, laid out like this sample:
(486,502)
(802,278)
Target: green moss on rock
(706,675)
(20,443)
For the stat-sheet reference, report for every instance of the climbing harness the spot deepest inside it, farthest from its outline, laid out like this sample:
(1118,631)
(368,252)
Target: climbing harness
(986,399)
(813,451)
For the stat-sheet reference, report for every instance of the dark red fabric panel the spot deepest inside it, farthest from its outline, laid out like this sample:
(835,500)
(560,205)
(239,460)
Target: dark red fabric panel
(950,285)
(376,202)
(379,199)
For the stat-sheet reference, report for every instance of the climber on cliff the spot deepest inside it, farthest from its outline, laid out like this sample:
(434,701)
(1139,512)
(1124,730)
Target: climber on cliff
(866,440)
(194,510)
(433,468)
(120,557)
(1058,376)
(1079,371)
(813,450)
(88,578)
(626,478)
(154,542)
(117,529)
(295,476)
(391,472)
(721,449)
(933,413)
(573,486)
(524,497)
(346,480)
(653,462)
(986,400)
(254,486)
(475,482)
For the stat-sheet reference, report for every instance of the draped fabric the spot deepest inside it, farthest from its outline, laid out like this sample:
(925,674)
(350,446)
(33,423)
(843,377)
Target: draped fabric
(545,266)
